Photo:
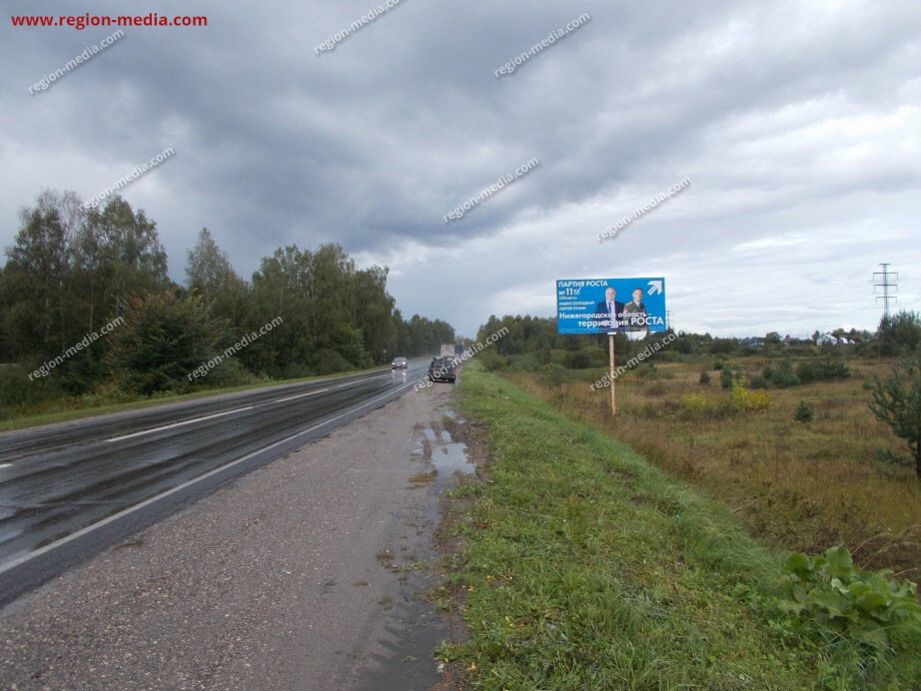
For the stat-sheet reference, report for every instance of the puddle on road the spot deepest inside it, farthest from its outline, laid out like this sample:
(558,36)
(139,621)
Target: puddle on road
(452,458)
(437,445)
(415,625)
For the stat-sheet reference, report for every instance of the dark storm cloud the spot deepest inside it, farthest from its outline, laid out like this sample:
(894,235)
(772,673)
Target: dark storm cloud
(792,120)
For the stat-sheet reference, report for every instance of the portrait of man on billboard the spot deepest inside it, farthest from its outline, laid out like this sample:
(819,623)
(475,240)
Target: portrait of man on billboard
(635,312)
(610,312)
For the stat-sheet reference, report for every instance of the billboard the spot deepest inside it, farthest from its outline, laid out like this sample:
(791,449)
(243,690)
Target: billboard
(608,305)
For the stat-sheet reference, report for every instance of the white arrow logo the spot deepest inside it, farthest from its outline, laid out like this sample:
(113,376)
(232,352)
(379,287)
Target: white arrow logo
(655,287)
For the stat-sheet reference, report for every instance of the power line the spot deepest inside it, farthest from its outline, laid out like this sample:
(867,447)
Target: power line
(889,282)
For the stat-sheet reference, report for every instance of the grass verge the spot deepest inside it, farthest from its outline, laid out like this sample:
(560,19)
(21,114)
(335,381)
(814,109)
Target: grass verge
(582,566)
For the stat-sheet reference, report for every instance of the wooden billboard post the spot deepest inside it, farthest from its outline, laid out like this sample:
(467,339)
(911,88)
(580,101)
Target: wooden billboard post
(611,349)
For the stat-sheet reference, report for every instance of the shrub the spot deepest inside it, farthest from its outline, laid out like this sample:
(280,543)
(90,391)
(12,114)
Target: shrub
(16,390)
(492,361)
(784,377)
(726,377)
(829,368)
(897,402)
(751,401)
(647,371)
(834,368)
(722,345)
(808,372)
(526,362)
(554,375)
(804,412)
(327,361)
(165,337)
(899,334)
(759,382)
(695,405)
(704,378)
(580,360)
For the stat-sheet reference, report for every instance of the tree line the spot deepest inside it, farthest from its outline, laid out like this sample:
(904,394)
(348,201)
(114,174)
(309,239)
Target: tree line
(534,341)
(71,271)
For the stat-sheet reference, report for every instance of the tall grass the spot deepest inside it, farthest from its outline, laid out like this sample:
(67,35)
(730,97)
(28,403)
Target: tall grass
(795,486)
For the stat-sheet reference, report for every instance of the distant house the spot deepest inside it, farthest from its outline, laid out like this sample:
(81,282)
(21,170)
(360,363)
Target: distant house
(830,339)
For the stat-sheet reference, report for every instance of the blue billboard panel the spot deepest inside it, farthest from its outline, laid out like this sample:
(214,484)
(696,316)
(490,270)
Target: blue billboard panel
(608,305)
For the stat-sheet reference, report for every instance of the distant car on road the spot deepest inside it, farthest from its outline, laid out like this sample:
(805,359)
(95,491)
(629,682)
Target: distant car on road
(399,363)
(442,369)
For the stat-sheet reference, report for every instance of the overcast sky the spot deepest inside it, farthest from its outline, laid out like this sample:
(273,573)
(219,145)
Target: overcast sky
(798,124)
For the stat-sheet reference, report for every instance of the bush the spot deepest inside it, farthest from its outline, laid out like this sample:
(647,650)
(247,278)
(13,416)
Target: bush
(827,369)
(722,345)
(694,405)
(16,390)
(554,375)
(783,377)
(808,372)
(647,370)
(750,401)
(704,378)
(580,360)
(527,362)
(759,382)
(804,412)
(492,360)
(166,336)
(726,377)
(834,368)
(899,334)
(230,372)
(897,402)
(328,361)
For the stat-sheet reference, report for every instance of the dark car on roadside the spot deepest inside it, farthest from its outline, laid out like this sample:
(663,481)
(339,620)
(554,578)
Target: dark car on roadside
(442,369)
(399,363)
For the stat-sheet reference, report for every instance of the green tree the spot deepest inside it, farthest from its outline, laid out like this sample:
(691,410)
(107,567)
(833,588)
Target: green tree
(210,274)
(118,255)
(36,278)
(896,401)
(164,338)
(899,334)
(373,307)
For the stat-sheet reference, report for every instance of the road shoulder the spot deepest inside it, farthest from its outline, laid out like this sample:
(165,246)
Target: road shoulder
(302,572)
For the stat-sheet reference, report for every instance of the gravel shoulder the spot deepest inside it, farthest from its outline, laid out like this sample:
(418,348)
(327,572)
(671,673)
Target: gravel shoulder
(293,577)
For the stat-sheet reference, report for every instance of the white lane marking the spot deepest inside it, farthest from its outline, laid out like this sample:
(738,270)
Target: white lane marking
(353,383)
(116,516)
(301,395)
(180,424)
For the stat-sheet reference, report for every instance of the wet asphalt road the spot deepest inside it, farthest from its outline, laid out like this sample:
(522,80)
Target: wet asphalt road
(57,480)
(304,574)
